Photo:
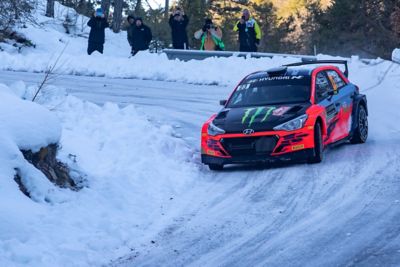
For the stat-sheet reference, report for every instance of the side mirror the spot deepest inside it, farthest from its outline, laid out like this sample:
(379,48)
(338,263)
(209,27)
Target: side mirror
(223,102)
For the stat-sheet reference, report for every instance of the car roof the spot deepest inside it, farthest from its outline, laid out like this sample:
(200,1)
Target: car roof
(282,71)
(305,71)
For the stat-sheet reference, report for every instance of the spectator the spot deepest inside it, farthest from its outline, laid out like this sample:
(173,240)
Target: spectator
(210,36)
(131,23)
(249,32)
(139,36)
(178,22)
(97,24)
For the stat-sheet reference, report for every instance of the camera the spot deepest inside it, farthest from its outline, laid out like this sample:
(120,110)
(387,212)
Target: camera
(243,18)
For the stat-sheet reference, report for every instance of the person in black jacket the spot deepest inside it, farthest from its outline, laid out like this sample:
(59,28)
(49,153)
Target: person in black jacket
(178,22)
(97,24)
(139,36)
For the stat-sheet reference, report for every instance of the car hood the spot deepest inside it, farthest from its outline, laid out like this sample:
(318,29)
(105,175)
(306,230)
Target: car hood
(260,118)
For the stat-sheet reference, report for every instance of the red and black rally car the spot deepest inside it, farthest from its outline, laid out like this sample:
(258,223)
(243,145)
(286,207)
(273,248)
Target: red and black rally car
(286,113)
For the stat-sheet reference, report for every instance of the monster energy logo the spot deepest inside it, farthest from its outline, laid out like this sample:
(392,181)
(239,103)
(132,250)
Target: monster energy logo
(263,111)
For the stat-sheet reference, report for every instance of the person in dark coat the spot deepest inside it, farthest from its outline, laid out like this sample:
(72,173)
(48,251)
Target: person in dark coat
(97,24)
(178,22)
(249,32)
(139,36)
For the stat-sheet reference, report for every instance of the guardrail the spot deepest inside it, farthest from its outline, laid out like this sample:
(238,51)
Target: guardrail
(186,55)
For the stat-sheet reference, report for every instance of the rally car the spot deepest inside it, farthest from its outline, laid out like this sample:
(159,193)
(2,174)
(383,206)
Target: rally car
(290,112)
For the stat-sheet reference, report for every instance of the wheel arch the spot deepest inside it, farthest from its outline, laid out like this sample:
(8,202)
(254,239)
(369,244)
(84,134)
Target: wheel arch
(323,126)
(358,100)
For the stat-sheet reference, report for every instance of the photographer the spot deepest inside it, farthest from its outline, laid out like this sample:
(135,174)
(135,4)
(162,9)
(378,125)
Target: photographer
(97,24)
(210,36)
(249,32)
(178,22)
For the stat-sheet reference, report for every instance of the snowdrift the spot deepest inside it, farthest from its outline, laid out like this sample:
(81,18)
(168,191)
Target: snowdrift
(130,170)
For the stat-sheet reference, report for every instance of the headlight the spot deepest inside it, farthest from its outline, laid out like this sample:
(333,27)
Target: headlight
(214,130)
(292,125)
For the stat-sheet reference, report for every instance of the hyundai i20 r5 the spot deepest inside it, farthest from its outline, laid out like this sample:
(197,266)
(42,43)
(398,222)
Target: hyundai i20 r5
(288,113)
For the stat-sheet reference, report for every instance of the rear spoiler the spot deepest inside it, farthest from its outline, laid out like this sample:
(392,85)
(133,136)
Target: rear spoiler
(311,62)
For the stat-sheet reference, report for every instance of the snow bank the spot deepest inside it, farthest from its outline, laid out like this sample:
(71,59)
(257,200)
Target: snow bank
(24,126)
(130,171)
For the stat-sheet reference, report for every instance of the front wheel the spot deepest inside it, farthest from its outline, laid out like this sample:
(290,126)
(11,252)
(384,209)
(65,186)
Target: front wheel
(318,151)
(360,134)
(215,167)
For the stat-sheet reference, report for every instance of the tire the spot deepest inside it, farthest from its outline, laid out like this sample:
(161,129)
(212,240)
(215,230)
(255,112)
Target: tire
(318,150)
(360,134)
(215,167)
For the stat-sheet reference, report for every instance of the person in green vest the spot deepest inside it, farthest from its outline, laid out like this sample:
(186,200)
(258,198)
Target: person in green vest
(210,36)
(249,32)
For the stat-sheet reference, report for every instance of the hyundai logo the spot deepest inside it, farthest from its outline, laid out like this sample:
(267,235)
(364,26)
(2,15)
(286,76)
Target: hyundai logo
(248,131)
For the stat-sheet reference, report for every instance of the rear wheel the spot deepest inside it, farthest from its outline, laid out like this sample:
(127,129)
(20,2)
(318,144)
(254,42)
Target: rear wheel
(360,134)
(215,167)
(318,151)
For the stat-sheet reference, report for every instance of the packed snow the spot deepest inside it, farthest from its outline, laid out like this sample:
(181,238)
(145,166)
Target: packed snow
(145,198)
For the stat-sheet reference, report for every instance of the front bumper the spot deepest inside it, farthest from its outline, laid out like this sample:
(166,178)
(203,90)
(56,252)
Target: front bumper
(270,146)
(294,156)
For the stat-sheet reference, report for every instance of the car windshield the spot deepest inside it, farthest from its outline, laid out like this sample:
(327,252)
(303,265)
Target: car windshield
(271,91)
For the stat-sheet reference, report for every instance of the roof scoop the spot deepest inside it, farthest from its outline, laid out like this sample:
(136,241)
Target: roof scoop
(277,71)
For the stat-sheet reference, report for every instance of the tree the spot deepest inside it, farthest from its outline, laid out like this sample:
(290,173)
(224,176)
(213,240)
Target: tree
(117,16)
(166,9)
(105,5)
(368,30)
(14,11)
(50,8)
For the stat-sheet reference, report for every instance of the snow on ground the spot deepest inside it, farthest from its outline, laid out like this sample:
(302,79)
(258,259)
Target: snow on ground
(132,171)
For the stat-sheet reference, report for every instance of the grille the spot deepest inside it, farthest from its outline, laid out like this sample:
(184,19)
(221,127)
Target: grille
(250,146)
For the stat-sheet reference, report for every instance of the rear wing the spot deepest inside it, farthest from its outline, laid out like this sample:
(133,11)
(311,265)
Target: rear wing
(311,62)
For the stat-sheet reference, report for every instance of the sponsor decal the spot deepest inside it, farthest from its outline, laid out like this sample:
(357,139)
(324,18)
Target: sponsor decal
(281,78)
(270,110)
(297,147)
(280,111)
(246,114)
(260,111)
(210,152)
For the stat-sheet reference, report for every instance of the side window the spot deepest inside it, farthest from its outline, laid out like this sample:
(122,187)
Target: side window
(322,87)
(336,80)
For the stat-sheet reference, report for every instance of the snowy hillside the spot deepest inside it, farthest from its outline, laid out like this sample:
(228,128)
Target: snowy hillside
(146,199)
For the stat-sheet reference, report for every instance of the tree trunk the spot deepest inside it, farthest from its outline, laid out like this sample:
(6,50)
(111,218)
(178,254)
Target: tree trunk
(105,5)
(138,7)
(50,8)
(117,17)
(166,8)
